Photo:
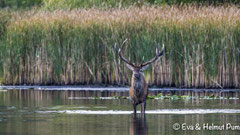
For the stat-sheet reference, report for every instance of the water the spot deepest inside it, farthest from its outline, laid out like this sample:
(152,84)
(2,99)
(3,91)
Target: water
(55,112)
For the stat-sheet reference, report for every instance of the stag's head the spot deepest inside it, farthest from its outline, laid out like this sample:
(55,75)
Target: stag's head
(137,69)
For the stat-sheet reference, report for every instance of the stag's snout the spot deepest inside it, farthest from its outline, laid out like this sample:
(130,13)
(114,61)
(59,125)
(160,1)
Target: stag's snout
(137,76)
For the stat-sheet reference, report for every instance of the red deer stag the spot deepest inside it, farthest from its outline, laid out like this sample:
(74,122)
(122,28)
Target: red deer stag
(139,89)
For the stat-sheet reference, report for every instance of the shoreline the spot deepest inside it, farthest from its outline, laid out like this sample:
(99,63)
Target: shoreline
(111,88)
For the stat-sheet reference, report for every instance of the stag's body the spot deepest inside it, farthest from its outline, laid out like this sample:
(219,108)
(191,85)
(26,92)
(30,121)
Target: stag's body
(139,89)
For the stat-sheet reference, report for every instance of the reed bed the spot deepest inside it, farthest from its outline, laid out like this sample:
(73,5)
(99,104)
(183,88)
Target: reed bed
(71,4)
(71,47)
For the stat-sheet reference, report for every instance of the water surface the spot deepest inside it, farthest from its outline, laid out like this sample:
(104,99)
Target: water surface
(66,112)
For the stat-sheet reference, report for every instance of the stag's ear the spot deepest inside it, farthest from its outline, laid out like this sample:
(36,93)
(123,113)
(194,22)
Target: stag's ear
(130,67)
(144,68)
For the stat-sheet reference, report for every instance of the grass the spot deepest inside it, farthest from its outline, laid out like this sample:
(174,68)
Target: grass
(73,4)
(77,46)
(16,4)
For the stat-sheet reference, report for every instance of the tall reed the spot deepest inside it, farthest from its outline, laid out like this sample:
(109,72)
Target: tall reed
(77,46)
(70,4)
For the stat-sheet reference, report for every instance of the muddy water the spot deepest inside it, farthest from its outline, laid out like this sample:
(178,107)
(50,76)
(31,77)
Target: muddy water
(55,112)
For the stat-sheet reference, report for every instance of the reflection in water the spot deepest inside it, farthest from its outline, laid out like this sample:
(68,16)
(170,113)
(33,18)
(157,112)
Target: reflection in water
(39,96)
(53,112)
(138,125)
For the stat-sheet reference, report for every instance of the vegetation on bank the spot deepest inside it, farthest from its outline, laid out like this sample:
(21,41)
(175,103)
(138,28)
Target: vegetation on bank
(71,4)
(20,3)
(160,97)
(175,97)
(77,46)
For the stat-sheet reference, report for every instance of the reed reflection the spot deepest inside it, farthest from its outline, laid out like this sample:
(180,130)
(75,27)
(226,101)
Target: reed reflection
(138,125)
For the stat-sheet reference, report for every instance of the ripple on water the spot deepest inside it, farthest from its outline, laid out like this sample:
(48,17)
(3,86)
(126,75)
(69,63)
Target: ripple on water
(11,107)
(161,111)
(80,107)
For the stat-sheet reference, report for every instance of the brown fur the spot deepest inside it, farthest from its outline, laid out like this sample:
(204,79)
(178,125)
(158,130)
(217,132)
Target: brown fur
(138,96)
(139,90)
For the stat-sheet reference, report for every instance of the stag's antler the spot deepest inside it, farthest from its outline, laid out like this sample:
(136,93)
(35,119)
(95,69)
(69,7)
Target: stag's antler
(158,54)
(121,56)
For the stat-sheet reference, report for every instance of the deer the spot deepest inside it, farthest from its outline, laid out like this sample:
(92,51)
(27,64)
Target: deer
(139,88)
